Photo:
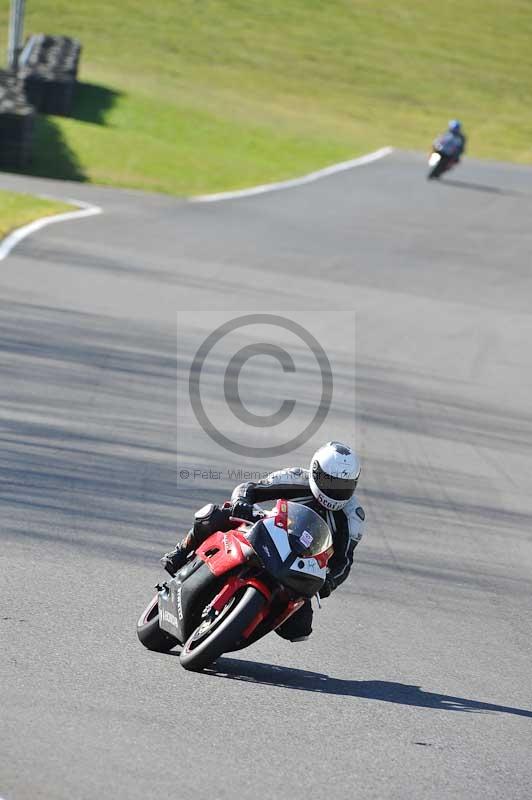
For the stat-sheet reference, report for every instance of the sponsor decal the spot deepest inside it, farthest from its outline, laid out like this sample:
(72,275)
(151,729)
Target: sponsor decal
(309,565)
(306,539)
(170,618)
(266,550)
(326,503)
(179,603)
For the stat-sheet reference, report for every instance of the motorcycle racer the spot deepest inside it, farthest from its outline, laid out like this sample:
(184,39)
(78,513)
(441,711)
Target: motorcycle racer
(328,487)
(453,142)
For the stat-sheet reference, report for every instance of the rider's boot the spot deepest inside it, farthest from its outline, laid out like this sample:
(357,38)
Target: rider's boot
(298,627)
(208,519)
(177,558)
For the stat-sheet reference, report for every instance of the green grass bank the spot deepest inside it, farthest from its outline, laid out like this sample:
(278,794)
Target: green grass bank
(193,96)
(19,209)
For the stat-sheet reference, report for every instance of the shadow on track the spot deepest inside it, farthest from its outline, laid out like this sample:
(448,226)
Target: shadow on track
(386,691)
(88,434)
(478,187)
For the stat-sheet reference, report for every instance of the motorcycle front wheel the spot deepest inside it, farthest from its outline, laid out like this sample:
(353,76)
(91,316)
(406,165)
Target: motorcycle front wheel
(440,167)
(224,632)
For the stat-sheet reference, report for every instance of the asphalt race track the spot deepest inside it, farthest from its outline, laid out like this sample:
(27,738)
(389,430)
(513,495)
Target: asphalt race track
(417,681)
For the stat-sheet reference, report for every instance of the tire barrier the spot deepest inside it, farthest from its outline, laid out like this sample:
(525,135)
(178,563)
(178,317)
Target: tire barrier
(45,83)
(16,123)
(48,68)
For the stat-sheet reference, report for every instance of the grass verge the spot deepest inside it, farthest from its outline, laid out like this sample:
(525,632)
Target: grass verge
(192,97)
(19,209)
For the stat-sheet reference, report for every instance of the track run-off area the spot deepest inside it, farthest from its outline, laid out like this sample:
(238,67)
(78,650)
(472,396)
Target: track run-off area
(416,682)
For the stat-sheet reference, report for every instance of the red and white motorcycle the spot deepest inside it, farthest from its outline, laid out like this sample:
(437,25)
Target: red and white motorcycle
(239,586)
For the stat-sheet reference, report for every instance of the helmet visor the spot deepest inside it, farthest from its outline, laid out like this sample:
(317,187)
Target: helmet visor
(332,486)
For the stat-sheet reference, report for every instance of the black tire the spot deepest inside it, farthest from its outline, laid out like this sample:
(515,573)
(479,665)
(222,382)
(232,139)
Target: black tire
(224,633)
(149,632)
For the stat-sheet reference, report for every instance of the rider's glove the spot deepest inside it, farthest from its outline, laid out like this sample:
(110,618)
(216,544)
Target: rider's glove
(328,587)
(243,510)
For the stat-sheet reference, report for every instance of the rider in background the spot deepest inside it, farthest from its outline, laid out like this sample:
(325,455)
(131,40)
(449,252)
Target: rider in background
(453,142)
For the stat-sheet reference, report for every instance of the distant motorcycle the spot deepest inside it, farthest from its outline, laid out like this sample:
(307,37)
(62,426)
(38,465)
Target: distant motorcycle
(445,154)
(239,586)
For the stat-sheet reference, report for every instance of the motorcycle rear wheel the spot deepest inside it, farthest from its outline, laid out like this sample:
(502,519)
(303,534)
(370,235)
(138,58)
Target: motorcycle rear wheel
(210,640)
(149,632)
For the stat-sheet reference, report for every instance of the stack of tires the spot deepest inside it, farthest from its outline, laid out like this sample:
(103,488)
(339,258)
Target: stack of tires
(48,68)
(16,123)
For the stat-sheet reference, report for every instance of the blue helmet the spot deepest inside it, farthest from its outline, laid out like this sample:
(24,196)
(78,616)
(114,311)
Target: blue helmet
(455,126)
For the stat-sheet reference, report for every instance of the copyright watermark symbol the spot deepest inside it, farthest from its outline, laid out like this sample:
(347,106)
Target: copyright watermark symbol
(261,385)
(232,392)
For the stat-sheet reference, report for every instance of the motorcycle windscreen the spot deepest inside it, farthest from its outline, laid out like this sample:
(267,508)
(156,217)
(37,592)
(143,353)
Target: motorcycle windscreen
(308,533)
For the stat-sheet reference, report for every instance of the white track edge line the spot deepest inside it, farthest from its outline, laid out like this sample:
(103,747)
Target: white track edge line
(289,184)
(16,236)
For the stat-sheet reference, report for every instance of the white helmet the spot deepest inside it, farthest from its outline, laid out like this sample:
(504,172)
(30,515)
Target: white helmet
(334,472)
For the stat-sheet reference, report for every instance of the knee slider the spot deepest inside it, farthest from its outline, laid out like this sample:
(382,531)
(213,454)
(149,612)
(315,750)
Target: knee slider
(209,519)
(204,513)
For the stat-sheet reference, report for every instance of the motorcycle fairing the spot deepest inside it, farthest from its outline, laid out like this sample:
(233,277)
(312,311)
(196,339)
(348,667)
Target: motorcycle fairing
(223,552)
(178,598)
(232,585)
(304,575)
(207,573)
